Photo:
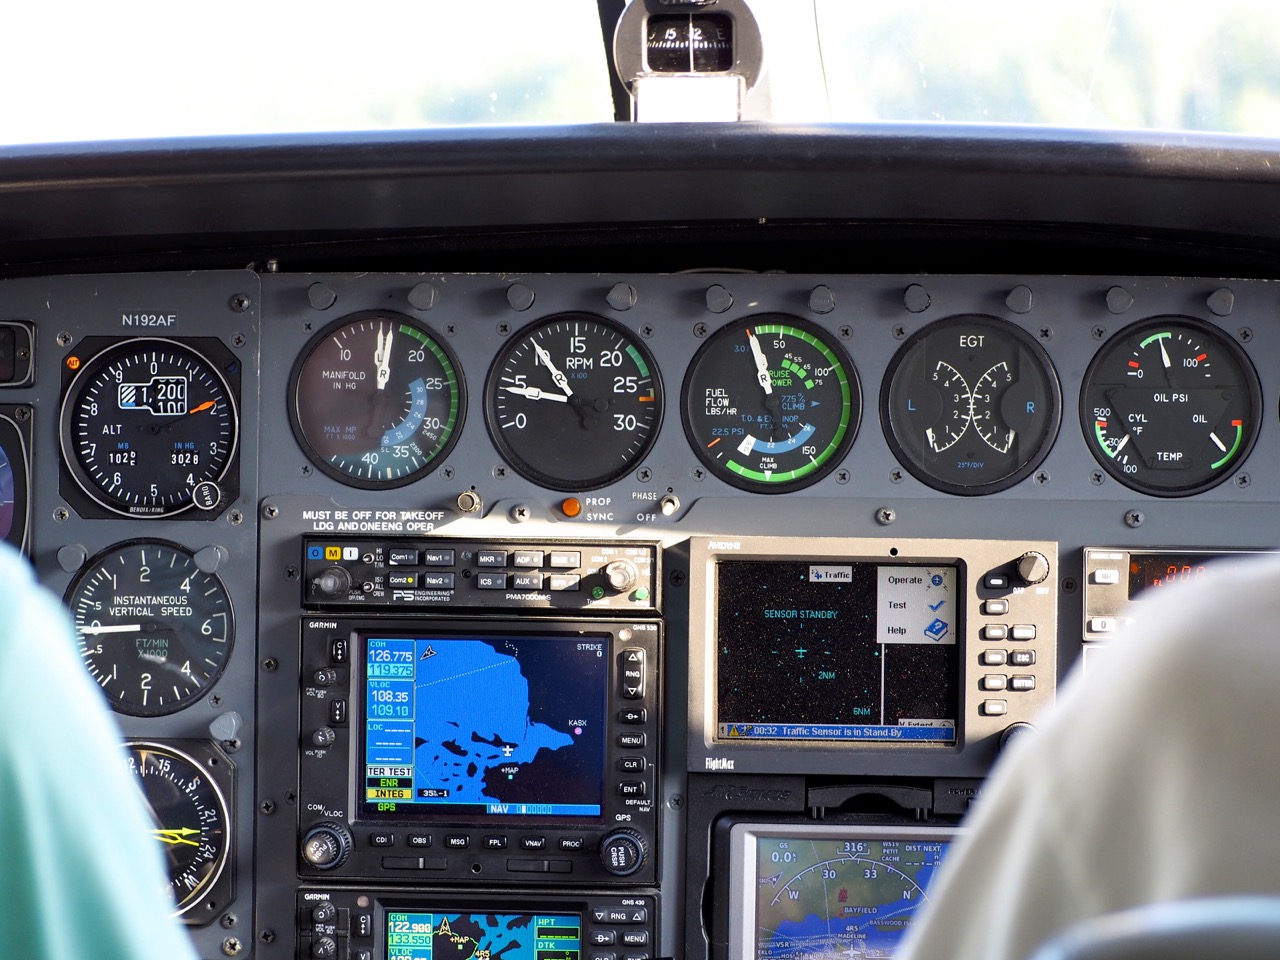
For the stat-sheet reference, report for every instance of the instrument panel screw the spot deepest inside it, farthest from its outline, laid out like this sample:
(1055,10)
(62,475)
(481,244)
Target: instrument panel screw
(62,515)
(232,946)
(899,332)
(896,476)
(64,339)
(1243,480)
(500,472)
(306,470)
(1046,333)
(271,665)
(698,474)
(268,807)
(644,474)
(677,578)
(886,516)
(450,329)
(676,802)
(520,513)
(843,477)
(845,332)
(228,920)
(240,303)
(1069,584)
(1096,478)
(1245,334)
(267,936)
(235,518)
(1042,478)
(504,329)
(291,573)
(446,472)
(1134,518)
(238,340)
(22,414)
(271,511)
(647,331)
(700,330)
(1098,333)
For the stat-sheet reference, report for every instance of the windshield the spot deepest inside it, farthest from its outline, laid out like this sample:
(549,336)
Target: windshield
(144,68)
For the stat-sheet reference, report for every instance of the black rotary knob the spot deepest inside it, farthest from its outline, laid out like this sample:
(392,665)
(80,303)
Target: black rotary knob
(623,852)
(326,845)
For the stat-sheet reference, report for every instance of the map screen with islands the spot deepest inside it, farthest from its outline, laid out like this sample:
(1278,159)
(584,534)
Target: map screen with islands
(492,726)
(449,935)
(833,894)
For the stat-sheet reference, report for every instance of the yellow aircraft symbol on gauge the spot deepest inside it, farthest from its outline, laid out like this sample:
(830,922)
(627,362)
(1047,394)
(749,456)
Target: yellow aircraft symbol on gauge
(177,835)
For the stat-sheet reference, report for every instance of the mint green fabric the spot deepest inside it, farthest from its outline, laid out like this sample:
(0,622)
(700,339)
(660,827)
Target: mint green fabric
(80,876)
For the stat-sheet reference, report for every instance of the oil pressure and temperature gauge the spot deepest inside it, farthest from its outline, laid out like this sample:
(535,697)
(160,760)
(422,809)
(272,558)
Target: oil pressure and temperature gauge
(1170,407)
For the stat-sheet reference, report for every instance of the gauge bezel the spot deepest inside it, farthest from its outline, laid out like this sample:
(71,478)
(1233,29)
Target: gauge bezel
(15,440)
(96,563)
(218,772)
(1219,338)
(224,368)
(1052,422)
(322,464)
(823,339)
(632,340)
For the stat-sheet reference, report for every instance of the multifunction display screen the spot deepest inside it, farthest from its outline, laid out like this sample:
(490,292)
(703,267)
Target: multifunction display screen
(833,895)
(449,935)
(836,651)
(493,726)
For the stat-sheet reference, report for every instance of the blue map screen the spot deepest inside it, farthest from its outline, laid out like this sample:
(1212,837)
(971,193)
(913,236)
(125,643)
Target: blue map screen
(494,726)
(450,935)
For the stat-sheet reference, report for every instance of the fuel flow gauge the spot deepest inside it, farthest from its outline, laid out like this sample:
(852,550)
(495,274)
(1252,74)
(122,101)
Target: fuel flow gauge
(971,405)
(1170,407)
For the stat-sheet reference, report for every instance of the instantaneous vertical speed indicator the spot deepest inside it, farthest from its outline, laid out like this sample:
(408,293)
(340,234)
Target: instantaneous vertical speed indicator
(1170,407)
(771,404)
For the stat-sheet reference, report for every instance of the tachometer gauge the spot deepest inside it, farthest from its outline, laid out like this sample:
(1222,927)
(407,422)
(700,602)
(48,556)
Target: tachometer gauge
(574,401)
(149,428)
(154,629)
(1170,407)
(771,403)
(185,791)
(970,405)
(377,400)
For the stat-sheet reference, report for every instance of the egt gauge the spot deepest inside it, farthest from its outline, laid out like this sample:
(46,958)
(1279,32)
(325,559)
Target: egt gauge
(1170,407)
(971,405)
(771,403)
(377,400)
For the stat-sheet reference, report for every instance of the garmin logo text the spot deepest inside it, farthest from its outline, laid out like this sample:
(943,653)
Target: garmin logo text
(718,763)
(831,574)
(725,791)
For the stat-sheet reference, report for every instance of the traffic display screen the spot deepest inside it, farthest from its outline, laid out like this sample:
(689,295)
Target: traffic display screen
(836,651)
(493,726)
(834,892)
(424,935)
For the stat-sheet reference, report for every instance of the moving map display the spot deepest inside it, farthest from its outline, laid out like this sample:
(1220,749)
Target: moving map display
(484,726)
(420,935)
(818,893)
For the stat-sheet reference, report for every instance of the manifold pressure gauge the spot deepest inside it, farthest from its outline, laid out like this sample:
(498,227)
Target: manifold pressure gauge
(185,788)
(155,629)
(148,428)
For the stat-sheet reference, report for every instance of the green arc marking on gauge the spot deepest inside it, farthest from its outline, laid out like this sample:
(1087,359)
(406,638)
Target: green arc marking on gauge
(451,378)
(638,360)
(1102,441)
(817,462)
(1239,425)
(1154,337)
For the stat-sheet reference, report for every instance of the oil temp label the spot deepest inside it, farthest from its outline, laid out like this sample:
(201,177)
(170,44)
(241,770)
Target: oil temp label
(916,605)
